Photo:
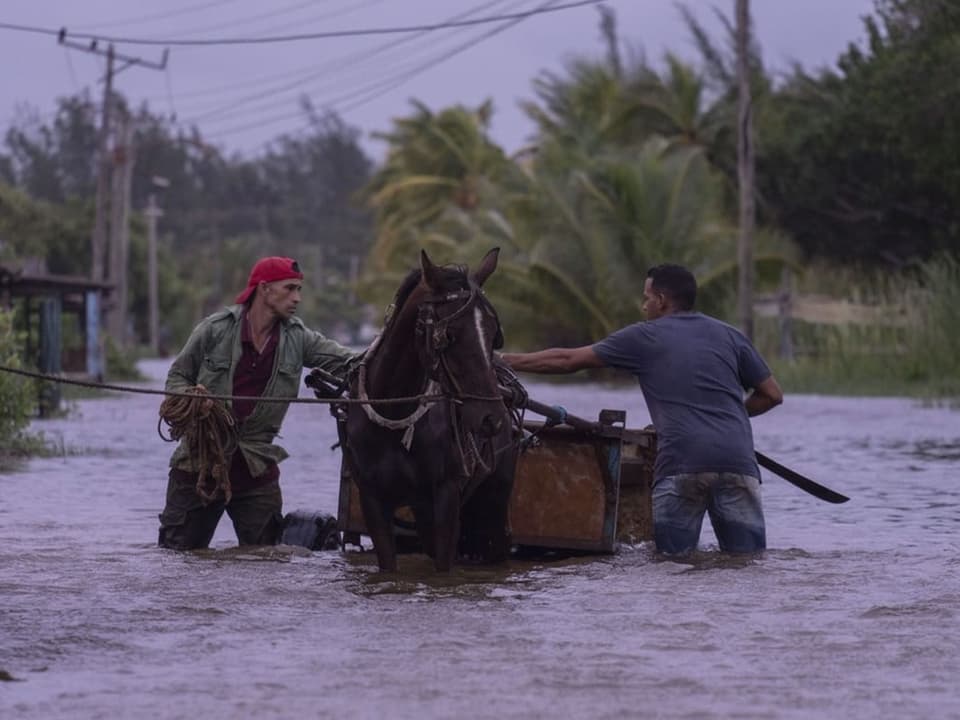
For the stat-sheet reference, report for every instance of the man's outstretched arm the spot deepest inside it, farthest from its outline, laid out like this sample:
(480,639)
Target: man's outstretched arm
(554,361)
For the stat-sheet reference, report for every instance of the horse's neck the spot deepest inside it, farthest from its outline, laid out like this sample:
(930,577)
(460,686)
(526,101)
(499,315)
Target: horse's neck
(395,370)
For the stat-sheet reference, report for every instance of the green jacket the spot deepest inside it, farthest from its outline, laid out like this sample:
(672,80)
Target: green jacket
(210,357)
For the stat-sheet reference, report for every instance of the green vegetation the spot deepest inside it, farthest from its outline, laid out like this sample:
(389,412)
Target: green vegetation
(632,164)
(17,400)
(914,351)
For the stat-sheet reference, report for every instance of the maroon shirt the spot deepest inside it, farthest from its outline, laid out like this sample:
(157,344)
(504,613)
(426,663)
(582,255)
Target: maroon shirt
(250,378)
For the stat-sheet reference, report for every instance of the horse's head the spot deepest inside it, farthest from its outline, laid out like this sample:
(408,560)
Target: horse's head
(457,332)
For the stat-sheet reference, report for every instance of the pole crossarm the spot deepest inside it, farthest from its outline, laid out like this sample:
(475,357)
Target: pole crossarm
(93,47)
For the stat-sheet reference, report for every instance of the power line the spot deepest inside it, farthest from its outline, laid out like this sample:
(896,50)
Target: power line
(307,73)
(330,101)
(350,60)
(303,36)
(73,72)
(406,77)
(252,18)
(385,85)
(349,10)
(161,15)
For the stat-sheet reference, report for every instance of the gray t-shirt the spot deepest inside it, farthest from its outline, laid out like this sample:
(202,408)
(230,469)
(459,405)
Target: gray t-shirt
(693,370)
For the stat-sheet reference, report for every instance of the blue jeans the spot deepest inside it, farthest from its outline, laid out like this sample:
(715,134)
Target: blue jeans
(732,500)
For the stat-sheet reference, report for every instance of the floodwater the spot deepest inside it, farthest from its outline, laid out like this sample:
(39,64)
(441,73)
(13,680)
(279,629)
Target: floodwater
(853,612)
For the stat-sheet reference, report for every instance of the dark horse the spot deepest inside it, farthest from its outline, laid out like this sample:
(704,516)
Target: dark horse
(452,459)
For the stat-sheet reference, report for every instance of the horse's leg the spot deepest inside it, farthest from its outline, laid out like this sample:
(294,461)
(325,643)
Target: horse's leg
(379,520)
(489,512)
(500,539)
(446,522)
(423,514)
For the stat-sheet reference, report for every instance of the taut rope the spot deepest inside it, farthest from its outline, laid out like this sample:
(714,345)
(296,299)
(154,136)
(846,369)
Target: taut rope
(255,398)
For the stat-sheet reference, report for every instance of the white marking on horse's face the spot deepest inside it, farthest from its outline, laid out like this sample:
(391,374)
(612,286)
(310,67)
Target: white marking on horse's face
(481,335)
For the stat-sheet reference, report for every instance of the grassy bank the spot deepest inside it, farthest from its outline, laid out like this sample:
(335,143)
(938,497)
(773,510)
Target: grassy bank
(913,351)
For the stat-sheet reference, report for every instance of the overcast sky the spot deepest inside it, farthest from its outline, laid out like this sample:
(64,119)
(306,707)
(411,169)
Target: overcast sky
(241,96)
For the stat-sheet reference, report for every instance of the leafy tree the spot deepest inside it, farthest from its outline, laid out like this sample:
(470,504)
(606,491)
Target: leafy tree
(32,228)
(618,178)
(220,213)
(859,164)
(593,234)
(55,161)
(435,162)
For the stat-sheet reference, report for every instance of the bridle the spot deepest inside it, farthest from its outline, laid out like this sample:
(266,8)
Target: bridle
(433,337)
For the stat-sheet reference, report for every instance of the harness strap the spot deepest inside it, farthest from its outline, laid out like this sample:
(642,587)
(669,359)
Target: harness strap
(406,424)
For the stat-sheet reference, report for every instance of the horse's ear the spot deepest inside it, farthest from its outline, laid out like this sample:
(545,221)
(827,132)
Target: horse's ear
(429,271)
(487,266)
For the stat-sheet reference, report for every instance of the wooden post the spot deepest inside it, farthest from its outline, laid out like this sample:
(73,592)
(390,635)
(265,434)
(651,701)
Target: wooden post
(120,228)
(153,213)
(95,360)
(99,240)
(786,314)
(745,171)
(50,350)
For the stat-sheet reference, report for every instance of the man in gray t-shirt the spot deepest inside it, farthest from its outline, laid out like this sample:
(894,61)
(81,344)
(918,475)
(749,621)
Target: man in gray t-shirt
(694,371)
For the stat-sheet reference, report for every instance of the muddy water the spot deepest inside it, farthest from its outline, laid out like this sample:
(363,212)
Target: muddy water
(854,612)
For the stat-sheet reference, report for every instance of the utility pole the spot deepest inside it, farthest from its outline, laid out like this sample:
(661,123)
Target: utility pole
(153,213)
(122,180)
(121,186)
(99,239)
(745,171)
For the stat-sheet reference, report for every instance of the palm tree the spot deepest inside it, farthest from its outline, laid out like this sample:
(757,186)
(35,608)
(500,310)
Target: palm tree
(675,105)
(588,107)
(576,245)
(436,162)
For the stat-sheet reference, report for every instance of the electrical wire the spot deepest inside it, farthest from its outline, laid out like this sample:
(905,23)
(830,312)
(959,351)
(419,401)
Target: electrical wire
(353,7)
(353,62)
(332,102)
(394,30)
(251,19)
(384,85)
(159,16)
(72,70)
(443,57)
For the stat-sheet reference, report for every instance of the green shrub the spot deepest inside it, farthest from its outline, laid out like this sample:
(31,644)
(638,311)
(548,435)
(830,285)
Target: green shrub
(121,363)
(17,396)
(920,357)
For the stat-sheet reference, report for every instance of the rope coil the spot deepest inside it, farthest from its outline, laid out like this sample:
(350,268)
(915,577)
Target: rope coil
(209,431)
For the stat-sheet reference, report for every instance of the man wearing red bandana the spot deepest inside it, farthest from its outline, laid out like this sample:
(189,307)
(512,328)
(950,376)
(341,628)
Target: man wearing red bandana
(256,347)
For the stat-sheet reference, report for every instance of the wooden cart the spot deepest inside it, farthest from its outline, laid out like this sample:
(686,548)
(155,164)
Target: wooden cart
(583,490)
